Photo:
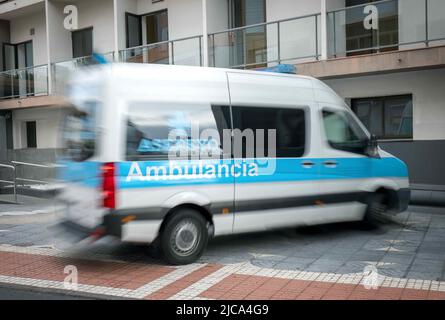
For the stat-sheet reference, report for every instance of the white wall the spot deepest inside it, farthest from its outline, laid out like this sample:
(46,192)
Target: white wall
(60,38)
(121,8)
(98,14)
(425,86)
(47,126)
(20,32)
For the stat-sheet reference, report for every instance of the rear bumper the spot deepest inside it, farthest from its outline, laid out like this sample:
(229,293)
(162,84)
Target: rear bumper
(68,234)
(137,226)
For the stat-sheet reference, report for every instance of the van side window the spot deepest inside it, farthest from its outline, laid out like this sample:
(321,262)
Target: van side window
(153,130)
(343,132)
(289,125)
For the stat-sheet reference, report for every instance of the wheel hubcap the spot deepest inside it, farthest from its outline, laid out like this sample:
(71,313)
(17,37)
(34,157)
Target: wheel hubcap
(185,238)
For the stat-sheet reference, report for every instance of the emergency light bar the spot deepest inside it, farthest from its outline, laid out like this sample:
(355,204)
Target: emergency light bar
(281,68)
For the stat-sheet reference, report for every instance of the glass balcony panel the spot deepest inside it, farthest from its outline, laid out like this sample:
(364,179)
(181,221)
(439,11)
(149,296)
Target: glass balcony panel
(348,35)
(298,39)
(22,83)
(436,20)
(412,23)
(187,52)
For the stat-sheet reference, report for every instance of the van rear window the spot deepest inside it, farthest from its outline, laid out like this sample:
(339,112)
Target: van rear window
(79,132)
(153,130)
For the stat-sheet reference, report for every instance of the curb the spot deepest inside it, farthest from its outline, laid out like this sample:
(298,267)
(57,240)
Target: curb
(68,293)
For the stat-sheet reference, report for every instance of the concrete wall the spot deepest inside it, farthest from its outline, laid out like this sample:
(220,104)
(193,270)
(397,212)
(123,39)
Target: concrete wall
(60,38)
(20,32)
(47,123)
(424,160)
(121,8)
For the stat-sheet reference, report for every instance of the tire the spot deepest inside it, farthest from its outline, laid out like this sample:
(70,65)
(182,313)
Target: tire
(184,237)
(375,210)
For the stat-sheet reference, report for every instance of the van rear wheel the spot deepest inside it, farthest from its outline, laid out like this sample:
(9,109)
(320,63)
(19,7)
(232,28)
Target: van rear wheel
(184,237)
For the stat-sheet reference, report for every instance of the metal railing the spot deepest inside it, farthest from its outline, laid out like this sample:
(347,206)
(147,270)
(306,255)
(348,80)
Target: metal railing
(288,40)
(184,51)
(400,24)
(62,70)
(25,82)
(13,181)
(18,164)
(21,181)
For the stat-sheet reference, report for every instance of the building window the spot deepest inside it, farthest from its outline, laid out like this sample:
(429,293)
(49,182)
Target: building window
(386,117)
(82,42)
(289,126)
(31,134)
(156,25)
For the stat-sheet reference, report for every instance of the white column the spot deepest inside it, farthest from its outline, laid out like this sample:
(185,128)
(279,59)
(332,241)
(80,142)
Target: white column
(205,44)
(48,48)
(324,31)
(116,31)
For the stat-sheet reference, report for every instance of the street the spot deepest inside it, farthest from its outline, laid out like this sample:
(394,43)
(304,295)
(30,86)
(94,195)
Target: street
(322,262)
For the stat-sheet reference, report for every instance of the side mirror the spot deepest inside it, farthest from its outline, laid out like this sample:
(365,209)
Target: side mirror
(373,148)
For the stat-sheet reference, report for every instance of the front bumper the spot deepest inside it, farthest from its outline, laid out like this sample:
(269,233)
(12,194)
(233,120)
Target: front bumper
(401,201)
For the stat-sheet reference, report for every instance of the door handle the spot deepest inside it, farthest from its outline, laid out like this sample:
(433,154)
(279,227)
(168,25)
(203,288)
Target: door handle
(308,164)
(330,163)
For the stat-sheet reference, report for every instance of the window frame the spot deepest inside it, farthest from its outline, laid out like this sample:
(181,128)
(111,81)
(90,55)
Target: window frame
(91,28)
(384,100)
(31,124)
(329,144)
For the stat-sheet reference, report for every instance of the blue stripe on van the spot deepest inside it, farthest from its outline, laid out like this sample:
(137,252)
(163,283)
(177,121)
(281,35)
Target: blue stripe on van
(250,171)
(281,170)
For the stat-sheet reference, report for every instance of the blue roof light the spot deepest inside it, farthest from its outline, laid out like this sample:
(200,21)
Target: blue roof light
(99,58)
(281,68)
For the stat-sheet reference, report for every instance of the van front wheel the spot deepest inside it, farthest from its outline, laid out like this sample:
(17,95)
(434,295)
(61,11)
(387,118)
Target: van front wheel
(376,209)
(184,237)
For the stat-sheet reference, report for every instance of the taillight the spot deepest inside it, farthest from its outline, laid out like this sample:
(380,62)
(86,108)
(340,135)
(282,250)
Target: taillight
(109,185)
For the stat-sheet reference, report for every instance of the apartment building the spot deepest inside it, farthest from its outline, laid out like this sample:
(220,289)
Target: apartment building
(386,58)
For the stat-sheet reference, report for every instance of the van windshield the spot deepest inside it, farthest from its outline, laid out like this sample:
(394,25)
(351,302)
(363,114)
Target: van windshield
(79,132)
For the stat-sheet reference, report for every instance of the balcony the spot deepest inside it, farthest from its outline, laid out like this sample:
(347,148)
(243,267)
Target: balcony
(402,25)
(404,28)
(186,51)
(284,41)
(24,83)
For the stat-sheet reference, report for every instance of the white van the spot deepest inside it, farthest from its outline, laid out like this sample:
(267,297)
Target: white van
(123,179)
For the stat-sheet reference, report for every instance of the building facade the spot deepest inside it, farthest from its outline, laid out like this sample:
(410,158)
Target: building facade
(385,58)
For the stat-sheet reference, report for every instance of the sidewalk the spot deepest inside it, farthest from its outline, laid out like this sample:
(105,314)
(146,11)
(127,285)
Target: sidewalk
(326,262)
(44,268)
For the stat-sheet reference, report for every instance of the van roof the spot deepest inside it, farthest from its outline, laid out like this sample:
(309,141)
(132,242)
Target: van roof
(135,71)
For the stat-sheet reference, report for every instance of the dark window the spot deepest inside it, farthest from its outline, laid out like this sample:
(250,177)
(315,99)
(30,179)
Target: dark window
(133,30)
(153,131)
(82,42)
(157,27)
(79,132)
(343,132)
(289,126)
(31,134)
(386,117)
